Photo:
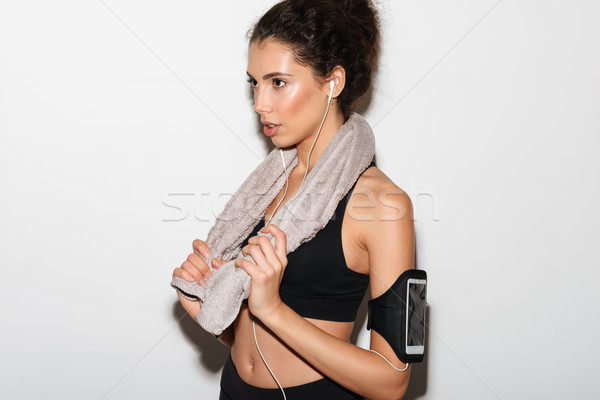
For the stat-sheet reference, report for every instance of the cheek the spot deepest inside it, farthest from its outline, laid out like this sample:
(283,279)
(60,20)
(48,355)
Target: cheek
(296,100)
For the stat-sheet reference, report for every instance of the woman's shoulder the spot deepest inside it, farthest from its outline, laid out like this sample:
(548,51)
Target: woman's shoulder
(379,208)
(382,194)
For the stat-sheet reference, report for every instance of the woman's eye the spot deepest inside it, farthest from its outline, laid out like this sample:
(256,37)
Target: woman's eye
(278,83)
(253,83)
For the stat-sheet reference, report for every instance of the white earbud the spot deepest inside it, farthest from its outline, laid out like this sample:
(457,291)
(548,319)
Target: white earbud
(331,86)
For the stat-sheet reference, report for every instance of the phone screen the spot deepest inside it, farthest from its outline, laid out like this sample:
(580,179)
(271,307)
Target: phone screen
(416,303)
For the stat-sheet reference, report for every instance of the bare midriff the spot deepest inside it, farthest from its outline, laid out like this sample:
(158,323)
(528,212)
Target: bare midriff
(289,368)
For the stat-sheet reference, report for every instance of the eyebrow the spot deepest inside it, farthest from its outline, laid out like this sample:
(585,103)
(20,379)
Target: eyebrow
(270,75)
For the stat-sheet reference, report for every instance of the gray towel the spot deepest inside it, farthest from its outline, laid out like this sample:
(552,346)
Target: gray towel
(346,156)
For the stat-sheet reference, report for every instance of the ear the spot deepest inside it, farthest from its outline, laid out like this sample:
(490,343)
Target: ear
(338,75)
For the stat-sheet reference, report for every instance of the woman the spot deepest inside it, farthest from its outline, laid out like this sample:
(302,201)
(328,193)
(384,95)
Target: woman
(296,49)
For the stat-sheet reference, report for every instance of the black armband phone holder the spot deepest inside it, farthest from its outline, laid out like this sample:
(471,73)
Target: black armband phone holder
(398,315)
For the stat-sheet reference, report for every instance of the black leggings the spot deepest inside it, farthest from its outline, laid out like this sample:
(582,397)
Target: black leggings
(234,388)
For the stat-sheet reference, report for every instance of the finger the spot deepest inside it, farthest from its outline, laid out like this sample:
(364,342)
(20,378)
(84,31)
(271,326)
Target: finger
(217,262)
(181,273)
(267,249)
(280,241)
(200,265)
(257,254)
(201,248)
(250,268)
(192,270)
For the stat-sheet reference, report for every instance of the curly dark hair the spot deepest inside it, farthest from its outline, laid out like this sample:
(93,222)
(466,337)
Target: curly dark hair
(326,33)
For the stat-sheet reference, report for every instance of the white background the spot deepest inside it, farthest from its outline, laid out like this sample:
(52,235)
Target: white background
(125,124)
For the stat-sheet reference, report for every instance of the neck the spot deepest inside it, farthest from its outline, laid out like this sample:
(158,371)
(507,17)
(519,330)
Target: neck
(333,122)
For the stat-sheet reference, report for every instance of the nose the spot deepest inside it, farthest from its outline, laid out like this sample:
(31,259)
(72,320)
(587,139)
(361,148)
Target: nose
(262,103)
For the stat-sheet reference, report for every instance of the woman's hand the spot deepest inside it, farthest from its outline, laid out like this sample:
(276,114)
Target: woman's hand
(267,270)
(194,268)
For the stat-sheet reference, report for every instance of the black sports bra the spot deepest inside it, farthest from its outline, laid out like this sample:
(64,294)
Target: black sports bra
(317,283)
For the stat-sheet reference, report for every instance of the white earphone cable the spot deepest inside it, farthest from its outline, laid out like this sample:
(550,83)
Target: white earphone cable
(388,361)
(265,361)
(253,323)
(318,133)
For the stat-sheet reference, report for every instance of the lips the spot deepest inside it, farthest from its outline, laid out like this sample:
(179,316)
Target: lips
(270,128)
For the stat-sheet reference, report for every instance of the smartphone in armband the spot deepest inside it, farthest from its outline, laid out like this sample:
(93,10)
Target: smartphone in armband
(416,302)
(398,315)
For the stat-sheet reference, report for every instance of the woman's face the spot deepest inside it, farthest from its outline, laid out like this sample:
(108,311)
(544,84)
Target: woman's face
(290,102)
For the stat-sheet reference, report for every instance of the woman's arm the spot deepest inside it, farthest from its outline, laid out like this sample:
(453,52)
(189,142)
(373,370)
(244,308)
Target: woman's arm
(389,239)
